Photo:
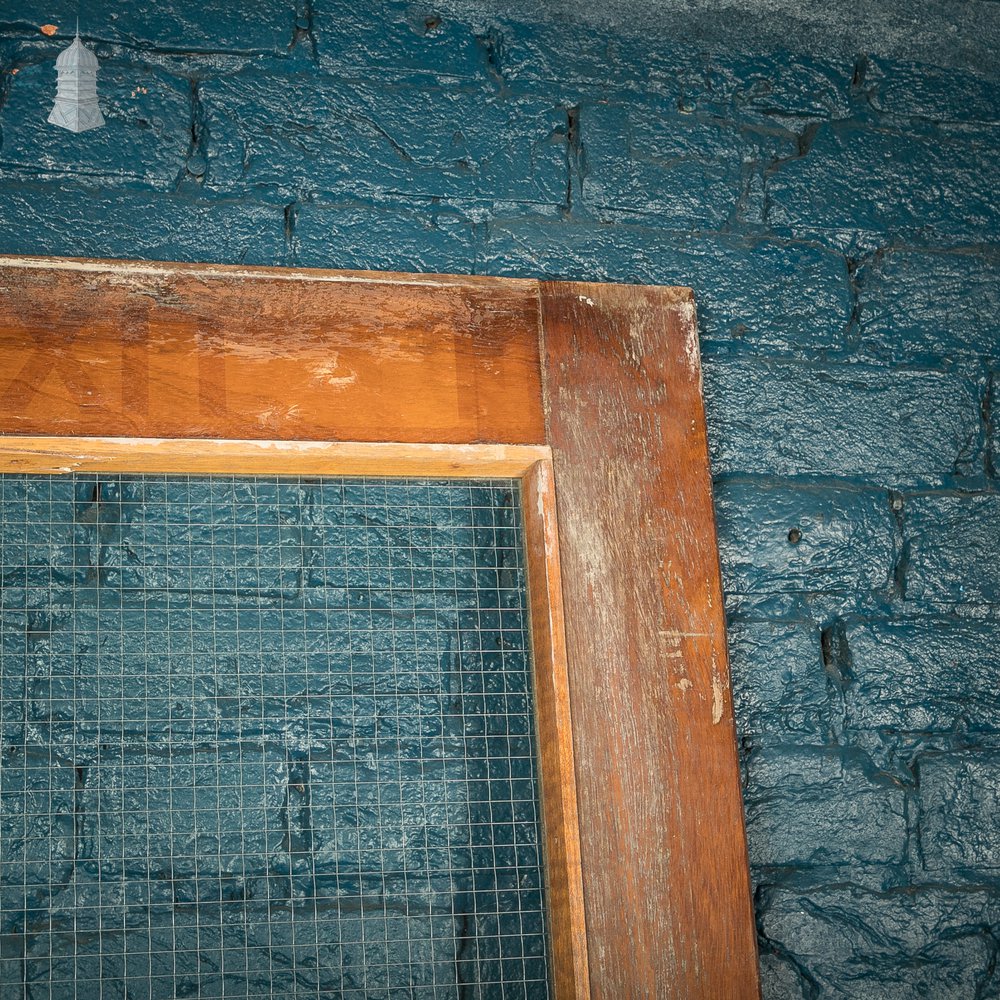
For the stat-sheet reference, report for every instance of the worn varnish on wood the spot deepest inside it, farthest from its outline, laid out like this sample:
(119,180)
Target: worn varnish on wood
(665,870)
(52,455)
(157,350)
(560,817)
(347,373)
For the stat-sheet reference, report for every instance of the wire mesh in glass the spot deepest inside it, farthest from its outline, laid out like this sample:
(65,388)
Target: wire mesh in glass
(266,737)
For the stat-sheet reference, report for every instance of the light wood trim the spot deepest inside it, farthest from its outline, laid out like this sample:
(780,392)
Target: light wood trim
(567,930)
(53,455)
(561,823)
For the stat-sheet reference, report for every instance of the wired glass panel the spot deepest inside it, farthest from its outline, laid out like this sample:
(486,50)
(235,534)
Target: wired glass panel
(266,737)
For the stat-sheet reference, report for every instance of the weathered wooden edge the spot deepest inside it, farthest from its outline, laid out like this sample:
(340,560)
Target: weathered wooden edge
(682,927)
(567,924)
(123,268)
(95,265)
(53,455)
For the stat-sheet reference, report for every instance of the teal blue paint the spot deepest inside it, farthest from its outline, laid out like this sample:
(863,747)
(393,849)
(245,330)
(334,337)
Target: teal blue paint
(836,214)
(266,738)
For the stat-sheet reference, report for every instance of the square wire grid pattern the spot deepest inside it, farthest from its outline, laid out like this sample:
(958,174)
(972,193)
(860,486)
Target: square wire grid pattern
(266,737)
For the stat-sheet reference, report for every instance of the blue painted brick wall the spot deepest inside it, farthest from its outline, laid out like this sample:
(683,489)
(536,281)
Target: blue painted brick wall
(837,220)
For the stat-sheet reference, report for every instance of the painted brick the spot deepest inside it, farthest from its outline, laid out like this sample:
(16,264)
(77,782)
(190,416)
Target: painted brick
(38,802)
(773,538)
(848,942)
(651,160)
(586,62)
(780,689)
(912,303)
(66,221)
(992,400)
(854,177)
(143,144)
(405,38)
(738,86)
(762,91)
(781,978)
(783,297)
(382,236)
(952,545)
(790,795)
(960,814)
(209,26)
(182,833)
(919,683)
(930,92)
(363,139)
(884,426)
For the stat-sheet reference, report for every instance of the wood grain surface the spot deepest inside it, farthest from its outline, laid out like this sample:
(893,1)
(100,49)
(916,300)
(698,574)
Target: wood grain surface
(134,366)
(54,455)
(668,905)
(121,349)
(561,824)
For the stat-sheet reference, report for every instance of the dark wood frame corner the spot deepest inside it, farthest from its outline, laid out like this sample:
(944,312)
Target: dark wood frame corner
(591,395)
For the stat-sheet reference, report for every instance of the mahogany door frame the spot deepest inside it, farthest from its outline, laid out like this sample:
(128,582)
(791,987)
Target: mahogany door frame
(590,394)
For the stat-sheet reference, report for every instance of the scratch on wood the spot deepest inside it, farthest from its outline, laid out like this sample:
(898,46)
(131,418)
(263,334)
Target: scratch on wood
(691,352)
(273,413)
(543,471)
(327,372)
(716,698)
